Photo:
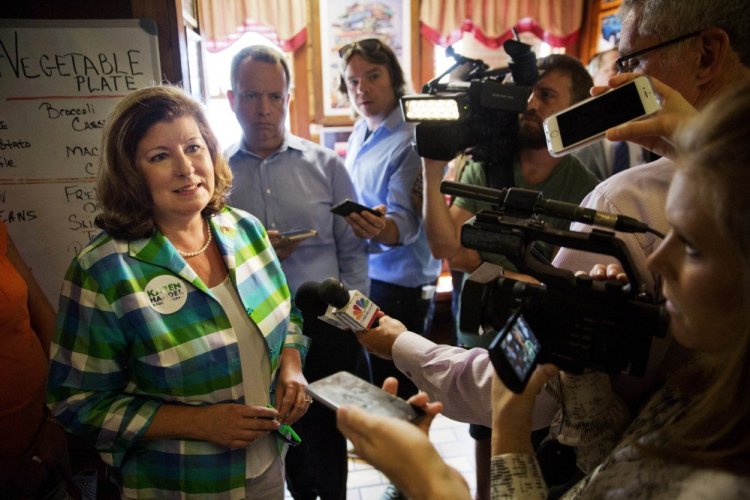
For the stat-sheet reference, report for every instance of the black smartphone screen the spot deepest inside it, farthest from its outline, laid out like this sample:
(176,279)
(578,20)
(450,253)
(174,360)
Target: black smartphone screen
(348,206)
(609,110)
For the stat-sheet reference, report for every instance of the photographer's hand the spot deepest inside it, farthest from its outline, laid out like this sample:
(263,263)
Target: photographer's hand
(379,341)
(656,132)
(603,272)
(512,413)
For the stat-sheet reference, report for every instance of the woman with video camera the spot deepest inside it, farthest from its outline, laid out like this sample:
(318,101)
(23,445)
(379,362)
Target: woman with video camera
(691,440)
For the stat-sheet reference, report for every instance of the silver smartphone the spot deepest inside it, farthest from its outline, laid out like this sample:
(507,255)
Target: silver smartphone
(588,120)
(298,234)
(344,388)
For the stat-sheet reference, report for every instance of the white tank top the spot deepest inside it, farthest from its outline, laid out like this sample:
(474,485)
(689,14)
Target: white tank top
(256,372)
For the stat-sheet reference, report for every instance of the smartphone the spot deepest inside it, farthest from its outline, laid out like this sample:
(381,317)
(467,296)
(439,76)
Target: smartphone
(348,206)
(343,388)
(588,120)
(514,352)
(298,234)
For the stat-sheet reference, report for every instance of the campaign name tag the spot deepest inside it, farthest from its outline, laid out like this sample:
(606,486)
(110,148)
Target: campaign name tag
(166,294)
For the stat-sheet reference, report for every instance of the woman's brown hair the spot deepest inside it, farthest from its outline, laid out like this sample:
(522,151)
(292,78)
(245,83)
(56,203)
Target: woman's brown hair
(715,152)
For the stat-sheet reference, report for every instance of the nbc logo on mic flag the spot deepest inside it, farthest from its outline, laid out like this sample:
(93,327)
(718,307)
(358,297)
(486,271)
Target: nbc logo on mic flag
(359,308)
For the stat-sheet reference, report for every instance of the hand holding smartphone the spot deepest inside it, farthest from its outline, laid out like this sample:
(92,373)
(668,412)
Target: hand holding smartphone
(343,388)
(588,120)
(348,206)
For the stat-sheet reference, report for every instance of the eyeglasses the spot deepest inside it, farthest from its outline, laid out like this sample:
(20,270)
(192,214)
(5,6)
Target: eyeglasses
(629,62)
(367,45)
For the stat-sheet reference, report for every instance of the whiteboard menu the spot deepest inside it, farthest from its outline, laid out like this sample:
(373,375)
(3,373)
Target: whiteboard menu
(59,80)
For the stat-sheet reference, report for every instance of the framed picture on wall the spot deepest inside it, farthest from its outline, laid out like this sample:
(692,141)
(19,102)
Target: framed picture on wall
(608,30)
(335,138)
(195,65)
(345,21)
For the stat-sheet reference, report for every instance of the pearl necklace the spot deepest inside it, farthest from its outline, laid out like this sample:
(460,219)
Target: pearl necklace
(209,238)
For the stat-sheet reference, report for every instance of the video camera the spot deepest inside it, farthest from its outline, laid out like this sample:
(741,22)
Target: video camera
(575,322)
(479,115)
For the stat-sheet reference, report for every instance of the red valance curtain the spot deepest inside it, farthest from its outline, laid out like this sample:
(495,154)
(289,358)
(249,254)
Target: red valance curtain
(557,22)
(443,22)
(282,21)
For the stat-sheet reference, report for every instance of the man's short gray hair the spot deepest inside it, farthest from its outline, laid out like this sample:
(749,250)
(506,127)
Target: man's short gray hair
(667,19)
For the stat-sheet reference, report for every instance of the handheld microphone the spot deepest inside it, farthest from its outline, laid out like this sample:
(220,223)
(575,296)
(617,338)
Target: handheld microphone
(308,300)
(334,304)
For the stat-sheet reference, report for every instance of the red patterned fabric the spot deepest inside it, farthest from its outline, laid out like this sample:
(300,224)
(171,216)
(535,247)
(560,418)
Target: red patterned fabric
(443,22)
(282,21)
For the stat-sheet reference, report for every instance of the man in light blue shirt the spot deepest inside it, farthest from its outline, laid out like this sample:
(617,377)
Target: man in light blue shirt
(291,183)
(384,168)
